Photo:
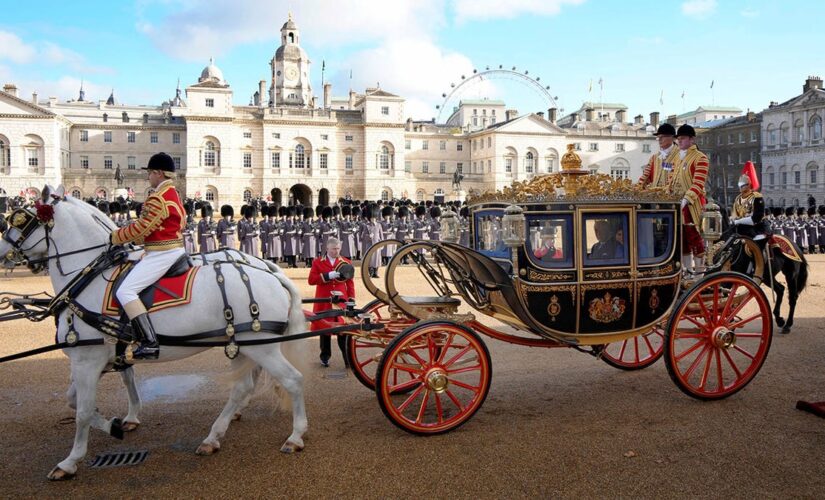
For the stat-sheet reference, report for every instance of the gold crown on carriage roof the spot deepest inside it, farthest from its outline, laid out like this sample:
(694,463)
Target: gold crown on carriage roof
(575,184)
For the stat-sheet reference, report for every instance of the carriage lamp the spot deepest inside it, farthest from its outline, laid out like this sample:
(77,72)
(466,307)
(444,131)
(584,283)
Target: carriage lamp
(711,222)
(512,226)
(449,227)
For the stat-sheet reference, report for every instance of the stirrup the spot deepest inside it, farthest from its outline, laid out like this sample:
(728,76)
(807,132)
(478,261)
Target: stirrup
(146,351)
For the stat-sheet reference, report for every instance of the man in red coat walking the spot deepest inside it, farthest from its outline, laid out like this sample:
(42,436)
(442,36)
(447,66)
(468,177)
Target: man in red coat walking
(325,274)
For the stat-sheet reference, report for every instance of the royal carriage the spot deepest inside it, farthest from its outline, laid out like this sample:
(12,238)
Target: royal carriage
(571,259)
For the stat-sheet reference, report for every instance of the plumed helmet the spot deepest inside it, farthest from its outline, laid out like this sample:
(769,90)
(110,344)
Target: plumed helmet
(308,212)
(162,162)
(326,212)
(346,210)
(336,210)
(420,210)
(227,211)
(386,211)
(435,212)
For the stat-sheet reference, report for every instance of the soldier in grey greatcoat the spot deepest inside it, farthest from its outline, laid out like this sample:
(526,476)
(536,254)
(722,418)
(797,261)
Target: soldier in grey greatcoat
(388,230)
(206,231)
(435,223)
(371,234)
(263,228)
(812,228)
(275,249)
(346,232)
(248,232)
(290,237)
(326,226)
(226,228)
(309,245)
(189,230)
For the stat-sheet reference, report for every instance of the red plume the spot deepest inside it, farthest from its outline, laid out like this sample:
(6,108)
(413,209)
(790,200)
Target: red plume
(750,171)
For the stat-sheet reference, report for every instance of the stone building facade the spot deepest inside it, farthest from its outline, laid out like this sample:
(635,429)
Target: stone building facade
(290,148)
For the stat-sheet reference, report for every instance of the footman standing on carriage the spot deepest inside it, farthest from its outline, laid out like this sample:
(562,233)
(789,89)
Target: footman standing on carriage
(331,272)
(159,230)
(660,165)
(688,179)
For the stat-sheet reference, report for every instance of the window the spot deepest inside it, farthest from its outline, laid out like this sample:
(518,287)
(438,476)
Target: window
(153,137)
(754,135)
(408,144)
(276,135)
(549,240)
(619,147)
(107,162)
(299,156)
(653,235)
(459,146)
(247,160)
(32,158)
(275,157)
(797,177)
(594,146)
(5,155)
(816,128)
(771,135)
(577,146)
(84,162)
(475,166)
(645,148)
(741,137)
(130,137)
(813,178)
(210,103)
(407,166)
(718,140)
(419,195)
(475,144)
(210,195)
(442,145)
(425,167)
(489,142)
(323,161)
(425,145)
(772,179)
(176,159)
(247,135)
(619,172)
(385,110)
(493,120)
(76,193)
(324,137)
(489,166)
(125,117)
(784,177)
(384,158)
(247,195)
(508,165)
(604,239)
(348,164)
(442,167)
(175,137)
(528,162)
(459,167)
(131,164)
(551,164)
(210,155)
(385,195)
(107,136)
(348,138)
(84,136)
(730,138)
(481,146)
(475,121)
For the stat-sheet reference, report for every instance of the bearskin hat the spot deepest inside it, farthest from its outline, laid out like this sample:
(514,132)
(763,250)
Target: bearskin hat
(420,210)
(777,211)
(356,212)
(346,210)
(281,211)
(326,212)
(465,211)
(227,211)
(789,211)
(319,210)
(403,211)
(290,211)
(308,213)
(386,211)
(811,211)
(265,210)
(336,211)
(800,211)
(245,211)
(206,210)
(435,212)
(821,210)
(103,206)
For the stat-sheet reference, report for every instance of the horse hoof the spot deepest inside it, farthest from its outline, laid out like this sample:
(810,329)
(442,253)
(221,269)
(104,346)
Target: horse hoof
(116,430)
(236,417)
(786,330)
(58,474)
(290,447)
(130,426)
(780,322)
(206,449)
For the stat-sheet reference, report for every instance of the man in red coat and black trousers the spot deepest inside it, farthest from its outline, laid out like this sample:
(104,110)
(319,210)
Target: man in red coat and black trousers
(326,276)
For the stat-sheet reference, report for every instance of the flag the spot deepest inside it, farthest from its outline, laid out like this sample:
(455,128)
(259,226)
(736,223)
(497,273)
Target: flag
(590,87)
(323,65)
(601,83)
(350,74)
(711,84)
(683,94)
(662,97)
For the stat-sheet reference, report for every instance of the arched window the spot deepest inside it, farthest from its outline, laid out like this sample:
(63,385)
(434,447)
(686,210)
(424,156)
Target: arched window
(529,160)
(76,193)
(798,131)
(211,154)
(620,169)
(247,195)
(384,158)
(783,133)
(770,132)
(210,195)
(5,153)
(419,195)
(815,132)
(385,195)
(552,160)
(299,156)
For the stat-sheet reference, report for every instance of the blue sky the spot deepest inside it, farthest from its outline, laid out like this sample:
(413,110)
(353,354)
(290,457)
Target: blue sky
(755,51)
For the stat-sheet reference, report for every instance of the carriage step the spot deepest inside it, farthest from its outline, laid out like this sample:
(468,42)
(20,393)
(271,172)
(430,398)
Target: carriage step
(431,301)
(119,459)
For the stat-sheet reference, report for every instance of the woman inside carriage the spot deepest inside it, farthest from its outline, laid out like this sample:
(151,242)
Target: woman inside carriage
(749,208)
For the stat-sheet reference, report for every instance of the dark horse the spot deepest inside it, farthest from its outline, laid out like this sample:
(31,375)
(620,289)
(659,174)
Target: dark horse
(795,272)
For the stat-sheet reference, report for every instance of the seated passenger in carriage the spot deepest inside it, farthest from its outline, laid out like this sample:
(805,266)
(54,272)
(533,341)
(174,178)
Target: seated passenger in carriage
(749,208)
(608,247)
(548,251)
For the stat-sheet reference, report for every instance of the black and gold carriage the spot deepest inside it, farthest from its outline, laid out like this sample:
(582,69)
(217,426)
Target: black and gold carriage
(562,260)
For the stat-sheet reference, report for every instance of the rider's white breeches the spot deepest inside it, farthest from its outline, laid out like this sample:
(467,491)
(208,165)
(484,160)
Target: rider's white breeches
(147,271)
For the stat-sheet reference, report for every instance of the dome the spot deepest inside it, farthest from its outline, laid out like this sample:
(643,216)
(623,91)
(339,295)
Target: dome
(211,73)
(289,24)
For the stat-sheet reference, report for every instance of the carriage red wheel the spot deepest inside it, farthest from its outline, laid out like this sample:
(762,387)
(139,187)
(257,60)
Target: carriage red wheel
(364,353)
(718,336)
(637,352)
(451,371)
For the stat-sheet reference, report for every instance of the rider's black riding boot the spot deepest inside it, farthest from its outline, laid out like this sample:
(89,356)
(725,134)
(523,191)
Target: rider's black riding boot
(148,347)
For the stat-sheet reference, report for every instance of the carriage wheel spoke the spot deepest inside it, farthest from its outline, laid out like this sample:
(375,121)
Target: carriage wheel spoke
(729,302)
(705,313)
(403,406)
(404,385)
(438,409)
(732,364)
(465,386)
(693,320)
(695,346)
(457,356)
(431,348)
(715,302)
(365,363)
(741,306)
(636,347)
(649,345)
(697,361)
(423,408)
(454,399)
(464,370)
(415,355)
(446,347)
(744,352)
(416,370)
(621,351)
(743,322)
(706,371)
(719,381)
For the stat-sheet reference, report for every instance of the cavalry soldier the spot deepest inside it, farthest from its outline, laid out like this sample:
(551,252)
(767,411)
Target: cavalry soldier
(331,272)
(690,171)
(226,228)
(206,230)
(749,208)
(159,230)
(660,165)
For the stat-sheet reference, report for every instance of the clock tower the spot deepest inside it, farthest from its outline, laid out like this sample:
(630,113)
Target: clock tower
(290,70)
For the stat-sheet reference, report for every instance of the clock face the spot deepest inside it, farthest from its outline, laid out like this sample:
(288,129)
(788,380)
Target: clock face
(291,74)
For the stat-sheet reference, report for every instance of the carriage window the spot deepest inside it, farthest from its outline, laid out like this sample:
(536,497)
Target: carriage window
(605,240)
(655,237)
(549,240)
(488,239)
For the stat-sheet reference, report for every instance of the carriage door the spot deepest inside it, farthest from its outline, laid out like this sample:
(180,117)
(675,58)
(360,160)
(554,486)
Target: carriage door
(657,275)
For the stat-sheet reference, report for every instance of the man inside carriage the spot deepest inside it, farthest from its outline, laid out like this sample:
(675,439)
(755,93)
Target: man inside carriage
(159,231)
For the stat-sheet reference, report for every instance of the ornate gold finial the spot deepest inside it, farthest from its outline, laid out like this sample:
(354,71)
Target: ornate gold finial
(570,160)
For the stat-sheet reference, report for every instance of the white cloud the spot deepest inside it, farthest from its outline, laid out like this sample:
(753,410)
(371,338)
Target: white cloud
(64,88)
(55,54)
(496,9)
(13,49)
(698,9)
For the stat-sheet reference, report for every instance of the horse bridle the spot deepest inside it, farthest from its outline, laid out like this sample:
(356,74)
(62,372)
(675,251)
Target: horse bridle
(22,224)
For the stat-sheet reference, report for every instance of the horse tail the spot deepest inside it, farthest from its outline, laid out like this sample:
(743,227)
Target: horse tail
(802,276)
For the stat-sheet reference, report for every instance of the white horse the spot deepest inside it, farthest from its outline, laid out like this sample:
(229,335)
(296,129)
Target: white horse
(71,235)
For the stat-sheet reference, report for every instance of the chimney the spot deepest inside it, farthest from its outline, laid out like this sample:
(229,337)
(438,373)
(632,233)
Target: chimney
(620,115)
(552,114)
(351,99)
(672,120)
(261,92)
(409,126)
(638,120)
(327,95)
(588,114)
(510,114)
(751,116)
(541,114)
(654,119)
(34,98)
(773,104)
(10,89)
(813,82)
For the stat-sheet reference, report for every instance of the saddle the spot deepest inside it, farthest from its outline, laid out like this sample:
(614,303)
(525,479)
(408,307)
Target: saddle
(784,245)
(173,289)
